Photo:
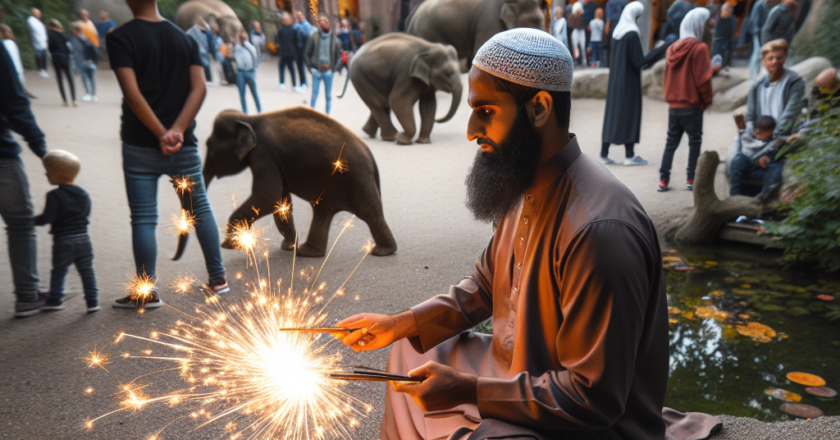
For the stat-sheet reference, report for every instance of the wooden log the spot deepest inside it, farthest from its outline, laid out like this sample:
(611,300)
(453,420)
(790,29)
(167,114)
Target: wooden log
(703,222)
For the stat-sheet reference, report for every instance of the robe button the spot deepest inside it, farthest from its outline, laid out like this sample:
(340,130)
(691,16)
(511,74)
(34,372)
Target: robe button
(519,265)
(515,289)
(525,220)
(521,241)
(529,198)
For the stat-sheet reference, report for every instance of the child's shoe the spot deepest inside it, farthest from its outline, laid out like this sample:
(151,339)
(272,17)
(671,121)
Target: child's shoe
(130,301)
(689,184)
(663,186)
(93,306)
(607,161)
(634,161)
(53,303)
(219,287)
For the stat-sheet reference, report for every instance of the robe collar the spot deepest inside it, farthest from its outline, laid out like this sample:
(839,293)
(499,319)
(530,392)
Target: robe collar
(554,168)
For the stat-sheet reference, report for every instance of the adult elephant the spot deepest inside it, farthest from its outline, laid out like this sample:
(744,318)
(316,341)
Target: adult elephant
(394,71)
(294,151)
(211,11)
(468,24)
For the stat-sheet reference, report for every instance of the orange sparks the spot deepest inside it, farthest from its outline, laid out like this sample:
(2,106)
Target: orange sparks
(182,285)
(182,184)
(338,165)
(141,289)
(244,236)
(97,359)
(283,209)
(182,224)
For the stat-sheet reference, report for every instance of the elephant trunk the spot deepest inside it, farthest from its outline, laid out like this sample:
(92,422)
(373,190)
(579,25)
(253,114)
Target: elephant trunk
(346,81)
(456,100)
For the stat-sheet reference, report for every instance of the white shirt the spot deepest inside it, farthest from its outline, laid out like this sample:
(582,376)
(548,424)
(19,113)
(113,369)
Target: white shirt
(246,56)
(596,29)
(559,31)
(39,33)
(14,53)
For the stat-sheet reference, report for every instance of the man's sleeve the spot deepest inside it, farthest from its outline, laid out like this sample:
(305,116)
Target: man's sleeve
(468,303)
(767,30)
(50,210)
(793,107)
(195,59)
(603,289)
(119,53)
(15,108)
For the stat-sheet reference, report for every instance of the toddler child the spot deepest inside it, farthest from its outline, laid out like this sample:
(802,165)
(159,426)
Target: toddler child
(596,35)
(756,149)
(67,210)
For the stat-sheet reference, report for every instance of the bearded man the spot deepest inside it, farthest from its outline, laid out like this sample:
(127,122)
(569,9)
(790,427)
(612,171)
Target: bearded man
(572,279)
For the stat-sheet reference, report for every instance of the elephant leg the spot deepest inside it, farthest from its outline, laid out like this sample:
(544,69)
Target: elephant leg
(374,217)
(246,214)
(383,117)
(428,106)
(286,225)
(405,114)
(319,231)
(371,126)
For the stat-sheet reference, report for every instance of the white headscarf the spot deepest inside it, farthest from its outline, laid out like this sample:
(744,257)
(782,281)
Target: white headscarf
(577,7)
(694,23)
(627,22)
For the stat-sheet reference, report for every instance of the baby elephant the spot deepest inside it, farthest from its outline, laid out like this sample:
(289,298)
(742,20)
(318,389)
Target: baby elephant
(295,151)
(392,72)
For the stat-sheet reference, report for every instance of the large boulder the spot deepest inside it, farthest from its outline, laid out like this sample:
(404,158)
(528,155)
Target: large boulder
(212,11)
(652,81)
(117,9)
(590,83)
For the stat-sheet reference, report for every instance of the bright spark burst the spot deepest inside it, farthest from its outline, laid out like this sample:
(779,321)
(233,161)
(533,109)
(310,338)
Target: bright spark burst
(183,285)
(283,209)
(140,287)
(97,359)
(243,374)
(338,165)
(244,236)
(182,184)
(182,224)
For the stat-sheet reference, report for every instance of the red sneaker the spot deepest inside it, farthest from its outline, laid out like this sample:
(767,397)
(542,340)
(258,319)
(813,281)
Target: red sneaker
(663,186)
(689,184)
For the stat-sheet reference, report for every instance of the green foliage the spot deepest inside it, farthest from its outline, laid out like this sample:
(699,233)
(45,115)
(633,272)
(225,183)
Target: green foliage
(16,13)
(485,327)
(811,231)
(823,43)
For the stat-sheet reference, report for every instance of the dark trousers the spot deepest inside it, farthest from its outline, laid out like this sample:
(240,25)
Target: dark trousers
(41,59)
(63,68)
(595,49)
(67,250)
(628,150)
(208,76)
(682,120)
(301,67)
(287,62)
(723,49)
(742,166)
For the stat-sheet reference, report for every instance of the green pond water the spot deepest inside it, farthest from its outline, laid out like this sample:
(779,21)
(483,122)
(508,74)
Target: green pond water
(716,370)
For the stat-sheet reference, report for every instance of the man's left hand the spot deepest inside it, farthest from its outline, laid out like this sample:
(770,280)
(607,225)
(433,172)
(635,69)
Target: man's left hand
(443,388)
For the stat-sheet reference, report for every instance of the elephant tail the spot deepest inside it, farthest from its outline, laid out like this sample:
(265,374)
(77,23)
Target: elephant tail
(182,245)
(346,81)
(376,179)
(183,188)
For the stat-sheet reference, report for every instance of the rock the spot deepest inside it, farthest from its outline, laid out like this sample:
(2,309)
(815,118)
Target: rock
(821,392)
(652,81)
(809,69)
(802,410)
(590,83)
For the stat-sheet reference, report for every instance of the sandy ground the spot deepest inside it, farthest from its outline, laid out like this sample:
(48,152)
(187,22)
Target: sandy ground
(43,381)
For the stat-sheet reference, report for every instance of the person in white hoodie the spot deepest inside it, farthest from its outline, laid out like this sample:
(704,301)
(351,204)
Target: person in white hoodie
(38,32)
(558,28)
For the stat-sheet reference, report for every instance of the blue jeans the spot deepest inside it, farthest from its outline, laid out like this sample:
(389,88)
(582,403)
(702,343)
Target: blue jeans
(755,58)
(72,249)
(595,48)
(16,210)
(284,63)
(682,120)
(327,77)
(143,168)
(243,78)
(88,74)
(742,166)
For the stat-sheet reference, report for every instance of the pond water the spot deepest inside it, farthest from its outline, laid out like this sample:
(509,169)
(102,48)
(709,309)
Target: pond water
(717,370)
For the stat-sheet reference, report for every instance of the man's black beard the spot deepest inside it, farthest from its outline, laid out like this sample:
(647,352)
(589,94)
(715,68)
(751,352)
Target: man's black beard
(498,180)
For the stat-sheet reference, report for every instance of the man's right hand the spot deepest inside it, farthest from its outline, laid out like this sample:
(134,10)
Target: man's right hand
(378,331)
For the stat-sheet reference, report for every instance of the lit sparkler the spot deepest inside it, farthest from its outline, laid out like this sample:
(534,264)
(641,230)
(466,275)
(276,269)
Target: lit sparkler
(181,224)
(283,209)
(338,165)
(244,236)
(140,287)
(97,359)
(182,184)
(243,372)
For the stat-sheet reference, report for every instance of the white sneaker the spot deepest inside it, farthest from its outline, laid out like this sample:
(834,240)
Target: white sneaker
(635,160)
(209,84)
(94,98)
(44,74)
(86,97)
(297,89)
(282,86)
(303,87)
(607,161)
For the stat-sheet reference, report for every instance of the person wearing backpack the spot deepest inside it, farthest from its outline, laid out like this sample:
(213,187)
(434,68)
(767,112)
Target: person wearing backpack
(85,56)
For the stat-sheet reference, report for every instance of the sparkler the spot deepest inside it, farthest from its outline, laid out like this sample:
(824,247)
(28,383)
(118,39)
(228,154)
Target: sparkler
(283,209)
(182,184)
(338,165)
(181,224)
(141,288)
(97,359)
(243,370)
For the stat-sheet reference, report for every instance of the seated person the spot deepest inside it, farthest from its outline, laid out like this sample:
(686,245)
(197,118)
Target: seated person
(826,87)
(780,94)
(757,150)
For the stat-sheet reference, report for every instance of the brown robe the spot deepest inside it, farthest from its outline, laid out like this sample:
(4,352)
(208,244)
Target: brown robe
(573,280)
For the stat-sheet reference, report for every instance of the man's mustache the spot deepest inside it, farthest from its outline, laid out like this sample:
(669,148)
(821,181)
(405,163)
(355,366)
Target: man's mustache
(487,141)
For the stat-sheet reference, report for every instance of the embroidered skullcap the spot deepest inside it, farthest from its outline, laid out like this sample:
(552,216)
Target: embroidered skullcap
(527,57)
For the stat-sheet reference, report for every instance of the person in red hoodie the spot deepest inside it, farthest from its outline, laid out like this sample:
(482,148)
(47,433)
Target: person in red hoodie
(688,90)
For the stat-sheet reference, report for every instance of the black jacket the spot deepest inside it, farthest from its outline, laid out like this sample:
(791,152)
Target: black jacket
(780,24)
(15,113)
(58,44)
(286,41)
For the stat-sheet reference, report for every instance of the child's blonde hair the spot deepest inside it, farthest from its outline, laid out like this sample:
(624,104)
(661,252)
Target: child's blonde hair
(62,163)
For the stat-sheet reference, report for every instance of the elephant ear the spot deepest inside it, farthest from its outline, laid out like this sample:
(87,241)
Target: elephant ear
(246,139)
(420,69)
(509,15)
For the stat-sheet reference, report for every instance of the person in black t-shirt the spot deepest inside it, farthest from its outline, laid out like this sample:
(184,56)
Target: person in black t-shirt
(67,210)
(162,80)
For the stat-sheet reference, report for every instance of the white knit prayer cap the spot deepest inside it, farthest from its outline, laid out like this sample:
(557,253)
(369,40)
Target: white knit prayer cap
(527,57)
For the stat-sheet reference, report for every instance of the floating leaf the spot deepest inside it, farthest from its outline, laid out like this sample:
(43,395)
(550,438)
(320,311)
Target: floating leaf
(802,410)
(806,379)
(689,315)
(671,259)
(746,286)
(709,312)
(787,396)
(753,280)
(825,297)
(757,331)
(744,316)
(673,321)
(711,263)
(729,280)
(674,311)
(718,293)
(798,311)
(743,292)
(821,391)
(783,335)
(771,308)
(683,268)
